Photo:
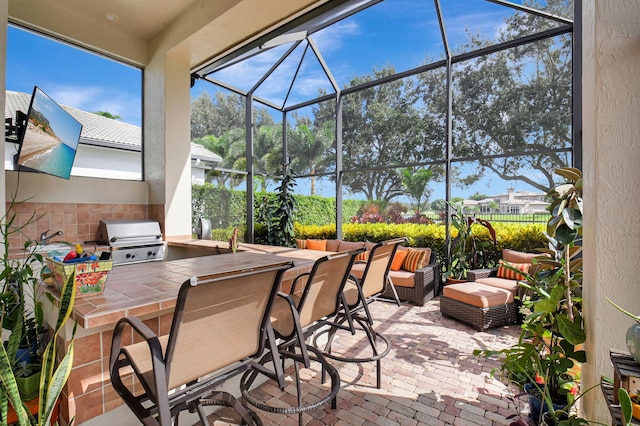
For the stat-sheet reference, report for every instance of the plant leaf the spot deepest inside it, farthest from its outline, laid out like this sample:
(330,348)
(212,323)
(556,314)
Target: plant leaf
(625,405)
(571,331)
(569,173)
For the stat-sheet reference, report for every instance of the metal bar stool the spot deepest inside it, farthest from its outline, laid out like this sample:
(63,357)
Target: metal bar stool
(314,296)
(218,330)
(355,315)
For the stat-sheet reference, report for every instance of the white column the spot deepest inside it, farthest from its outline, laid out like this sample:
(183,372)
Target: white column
(611,138)
(167,148)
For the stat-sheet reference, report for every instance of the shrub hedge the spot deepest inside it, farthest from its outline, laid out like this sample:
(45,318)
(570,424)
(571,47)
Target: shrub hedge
(315,218)
(513,236)
(227,207)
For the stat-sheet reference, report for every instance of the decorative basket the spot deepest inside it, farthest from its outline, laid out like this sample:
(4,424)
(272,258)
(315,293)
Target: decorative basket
(91,276)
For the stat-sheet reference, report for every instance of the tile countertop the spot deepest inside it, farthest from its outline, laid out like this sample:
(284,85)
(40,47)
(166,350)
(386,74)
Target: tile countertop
(150,289)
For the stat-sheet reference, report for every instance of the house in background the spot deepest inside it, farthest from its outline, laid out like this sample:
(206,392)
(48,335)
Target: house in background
(202,161)
(512,202)
(108,148)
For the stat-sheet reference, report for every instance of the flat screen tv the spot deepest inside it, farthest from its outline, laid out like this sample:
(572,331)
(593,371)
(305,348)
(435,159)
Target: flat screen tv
(49,138)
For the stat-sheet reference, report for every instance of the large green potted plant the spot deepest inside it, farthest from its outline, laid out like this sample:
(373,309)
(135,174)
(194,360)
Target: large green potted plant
(549,351)
(25,322)
(466,248)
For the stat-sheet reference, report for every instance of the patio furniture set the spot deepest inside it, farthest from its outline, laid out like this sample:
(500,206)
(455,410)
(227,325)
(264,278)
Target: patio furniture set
(488,299)
(242,324)
(416,279)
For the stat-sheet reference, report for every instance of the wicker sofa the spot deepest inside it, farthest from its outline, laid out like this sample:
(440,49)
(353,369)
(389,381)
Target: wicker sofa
(416,287)
(489,298)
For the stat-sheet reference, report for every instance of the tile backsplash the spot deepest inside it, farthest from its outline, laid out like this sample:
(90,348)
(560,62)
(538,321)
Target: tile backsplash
(78,222)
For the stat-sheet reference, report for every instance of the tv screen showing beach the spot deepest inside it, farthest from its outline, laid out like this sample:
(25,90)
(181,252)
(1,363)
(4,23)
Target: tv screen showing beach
(50,138)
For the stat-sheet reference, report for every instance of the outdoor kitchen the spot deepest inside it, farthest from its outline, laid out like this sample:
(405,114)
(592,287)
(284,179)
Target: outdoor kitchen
(147,273)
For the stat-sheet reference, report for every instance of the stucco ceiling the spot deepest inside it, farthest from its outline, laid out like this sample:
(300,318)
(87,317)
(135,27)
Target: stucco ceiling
(131,29)
(142,19)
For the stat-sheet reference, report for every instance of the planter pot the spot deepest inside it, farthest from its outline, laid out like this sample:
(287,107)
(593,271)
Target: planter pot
(29,387)
(454,281)
(536,405)
(633,340)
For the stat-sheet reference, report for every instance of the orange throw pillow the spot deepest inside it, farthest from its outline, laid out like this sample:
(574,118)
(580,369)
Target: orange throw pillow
(363,257)
(398,259)
(512,275)
(414,260)
(317,245)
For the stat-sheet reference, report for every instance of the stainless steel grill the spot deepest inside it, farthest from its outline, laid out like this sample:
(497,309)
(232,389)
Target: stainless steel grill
(132,240)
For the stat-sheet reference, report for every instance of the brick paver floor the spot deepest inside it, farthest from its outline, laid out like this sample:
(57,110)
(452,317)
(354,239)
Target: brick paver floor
(430,376)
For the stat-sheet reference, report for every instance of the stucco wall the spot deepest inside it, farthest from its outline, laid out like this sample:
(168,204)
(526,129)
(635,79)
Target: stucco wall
(611,113)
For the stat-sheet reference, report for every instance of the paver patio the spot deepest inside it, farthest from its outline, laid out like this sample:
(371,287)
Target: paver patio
(430,377)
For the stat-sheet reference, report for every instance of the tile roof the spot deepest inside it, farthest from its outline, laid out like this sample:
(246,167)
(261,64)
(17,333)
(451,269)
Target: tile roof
(202,153)
(96,129)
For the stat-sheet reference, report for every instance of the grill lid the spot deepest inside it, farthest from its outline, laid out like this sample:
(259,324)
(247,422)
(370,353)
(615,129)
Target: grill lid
(129,232)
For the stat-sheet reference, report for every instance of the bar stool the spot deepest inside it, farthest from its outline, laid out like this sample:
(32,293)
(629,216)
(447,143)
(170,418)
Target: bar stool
(355,315)
(218,330)
(313,297)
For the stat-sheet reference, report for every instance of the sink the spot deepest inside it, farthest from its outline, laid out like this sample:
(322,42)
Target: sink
(54,249)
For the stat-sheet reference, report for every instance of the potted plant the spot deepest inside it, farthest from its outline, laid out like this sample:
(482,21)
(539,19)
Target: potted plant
(466,249)
(25,323)
(549,347)
(28,380)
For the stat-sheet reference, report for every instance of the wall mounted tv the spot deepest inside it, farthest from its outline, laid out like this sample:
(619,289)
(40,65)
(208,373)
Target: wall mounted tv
(49,138)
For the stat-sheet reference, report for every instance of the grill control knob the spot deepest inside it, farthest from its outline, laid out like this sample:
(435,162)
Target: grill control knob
(150,253)
(128,256)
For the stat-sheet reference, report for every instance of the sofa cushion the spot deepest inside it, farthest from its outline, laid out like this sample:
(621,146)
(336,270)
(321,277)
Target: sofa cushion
(398,259)
(350,245)
(332,245)
(357,270)
(518,256)
(477,294)
(403,278)
(415,259)
(504,283)
(317,245)
(504,272)
(364,256)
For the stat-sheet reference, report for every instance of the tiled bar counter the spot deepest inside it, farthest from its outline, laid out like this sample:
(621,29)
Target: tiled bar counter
(147,290)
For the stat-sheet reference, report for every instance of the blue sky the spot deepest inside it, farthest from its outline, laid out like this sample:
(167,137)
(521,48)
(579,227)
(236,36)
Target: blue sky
(400,32)
(73,77)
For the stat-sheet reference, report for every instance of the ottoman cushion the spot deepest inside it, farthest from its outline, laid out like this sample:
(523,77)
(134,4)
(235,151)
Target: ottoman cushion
(477,294)
(504,283)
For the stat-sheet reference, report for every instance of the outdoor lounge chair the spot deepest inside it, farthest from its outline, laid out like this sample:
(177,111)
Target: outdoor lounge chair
(313,297)
(358,293)
(218,329)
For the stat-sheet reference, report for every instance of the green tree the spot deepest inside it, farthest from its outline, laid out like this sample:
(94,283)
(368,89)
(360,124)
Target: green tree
(267,154)
(439,205)
(225,112)
(215,117)
(383,130)
(309,148)
(416,183)
(517,101)
(478,196)
(107,115)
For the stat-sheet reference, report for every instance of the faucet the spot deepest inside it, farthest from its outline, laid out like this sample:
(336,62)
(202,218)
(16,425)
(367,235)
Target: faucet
(44,239)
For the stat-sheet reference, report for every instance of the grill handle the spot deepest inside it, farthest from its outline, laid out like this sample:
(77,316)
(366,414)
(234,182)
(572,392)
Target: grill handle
(129,237)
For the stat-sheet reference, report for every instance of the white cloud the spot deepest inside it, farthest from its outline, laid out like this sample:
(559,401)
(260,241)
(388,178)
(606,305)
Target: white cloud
(330,38)
(97,98)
